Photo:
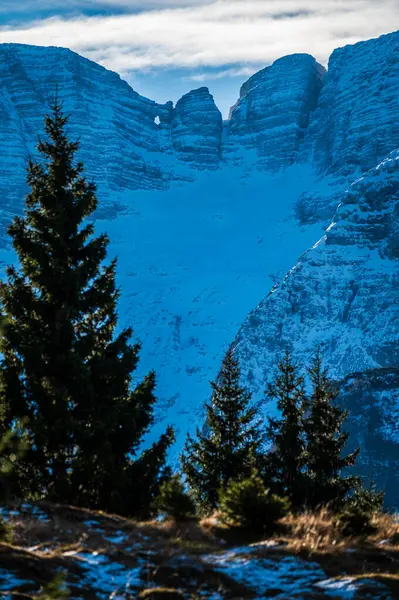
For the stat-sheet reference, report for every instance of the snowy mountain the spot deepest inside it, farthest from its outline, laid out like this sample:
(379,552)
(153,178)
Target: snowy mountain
(344,295)
(207,216)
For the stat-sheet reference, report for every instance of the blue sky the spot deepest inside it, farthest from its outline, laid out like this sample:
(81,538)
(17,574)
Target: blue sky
(164,48)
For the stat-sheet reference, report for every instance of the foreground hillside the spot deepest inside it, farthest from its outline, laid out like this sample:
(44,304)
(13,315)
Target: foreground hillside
(105,556)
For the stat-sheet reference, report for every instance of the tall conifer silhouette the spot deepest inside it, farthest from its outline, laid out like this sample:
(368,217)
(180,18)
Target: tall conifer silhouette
(65,368)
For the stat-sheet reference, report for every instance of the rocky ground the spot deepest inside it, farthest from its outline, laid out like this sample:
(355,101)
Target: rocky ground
(105,556)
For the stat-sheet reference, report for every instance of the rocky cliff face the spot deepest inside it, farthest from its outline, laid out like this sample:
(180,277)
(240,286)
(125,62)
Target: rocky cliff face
(290,112)
(342,294)
(273,111)
(372,399)
(116,125)
(127,141)
(356,122)
(197,130)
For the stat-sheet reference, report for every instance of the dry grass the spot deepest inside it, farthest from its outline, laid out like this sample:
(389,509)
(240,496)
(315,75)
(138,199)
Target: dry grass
(387,533)
(314,532)
(317,532)
(374,557)
(40,547)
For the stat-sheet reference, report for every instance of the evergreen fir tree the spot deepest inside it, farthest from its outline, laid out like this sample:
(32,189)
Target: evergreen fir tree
(228,447)
(12,447)
(247,503)
(286,458)
(174,502)
(325,442)
(64,368)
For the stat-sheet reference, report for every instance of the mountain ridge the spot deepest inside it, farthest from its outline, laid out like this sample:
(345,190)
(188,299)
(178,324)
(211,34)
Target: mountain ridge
(207,216)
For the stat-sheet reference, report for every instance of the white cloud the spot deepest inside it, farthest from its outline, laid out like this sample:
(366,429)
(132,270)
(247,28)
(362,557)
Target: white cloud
(224,32)
(25,6)
(233,72)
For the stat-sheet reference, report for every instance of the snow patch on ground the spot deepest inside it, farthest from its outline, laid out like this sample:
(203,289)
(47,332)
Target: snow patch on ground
(344,588)
(118,538)
(285,577)
(91,523)
(348,588)
(108,577)
(9,582)
(8,514)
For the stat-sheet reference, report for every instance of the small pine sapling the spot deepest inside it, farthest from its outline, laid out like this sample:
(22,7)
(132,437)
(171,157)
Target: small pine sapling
(248,504)
(174,502)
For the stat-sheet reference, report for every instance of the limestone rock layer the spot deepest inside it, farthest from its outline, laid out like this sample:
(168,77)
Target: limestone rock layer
(273,111)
